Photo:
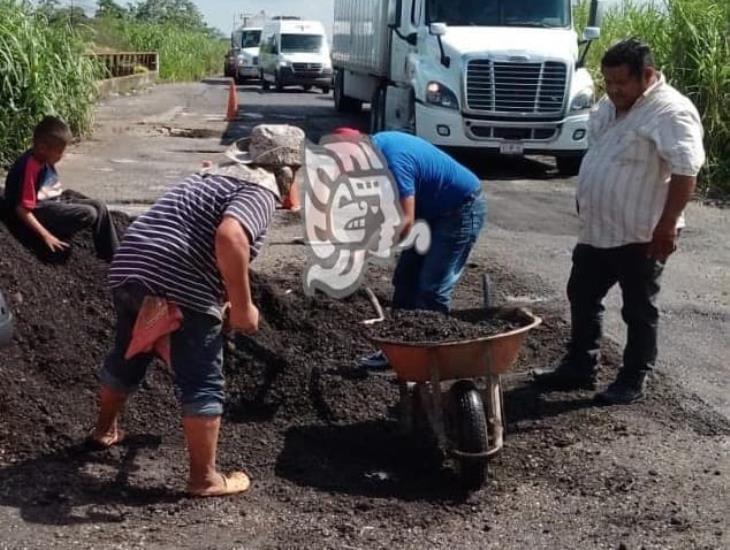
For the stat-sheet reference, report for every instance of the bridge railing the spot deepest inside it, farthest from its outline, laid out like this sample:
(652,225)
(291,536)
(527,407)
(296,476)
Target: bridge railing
(119,64)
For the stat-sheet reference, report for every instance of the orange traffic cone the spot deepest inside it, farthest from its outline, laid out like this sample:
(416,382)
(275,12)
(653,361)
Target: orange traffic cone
(232,113)
(291,201)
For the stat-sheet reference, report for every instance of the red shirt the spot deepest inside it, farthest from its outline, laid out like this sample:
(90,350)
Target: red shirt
(27,179)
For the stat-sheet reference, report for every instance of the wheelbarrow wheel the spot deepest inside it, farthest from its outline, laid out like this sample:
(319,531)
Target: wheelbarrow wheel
(468,427)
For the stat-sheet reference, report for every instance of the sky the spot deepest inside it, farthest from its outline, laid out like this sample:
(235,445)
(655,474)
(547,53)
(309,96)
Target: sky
(220,13)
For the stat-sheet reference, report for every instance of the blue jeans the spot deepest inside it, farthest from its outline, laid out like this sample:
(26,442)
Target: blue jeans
(428,281)
(196,354)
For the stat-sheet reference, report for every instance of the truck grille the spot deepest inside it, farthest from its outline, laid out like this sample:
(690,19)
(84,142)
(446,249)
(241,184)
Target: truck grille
(513,134)
(255,61)
(307,68)
(506,87)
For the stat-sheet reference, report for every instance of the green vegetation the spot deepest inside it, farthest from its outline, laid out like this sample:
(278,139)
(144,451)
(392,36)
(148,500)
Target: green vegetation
(185,55)
(42,71)
(188,49)
(691,42)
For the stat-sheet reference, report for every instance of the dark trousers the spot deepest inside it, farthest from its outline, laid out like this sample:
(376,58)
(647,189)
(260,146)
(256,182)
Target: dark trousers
(65,216)
(595,271)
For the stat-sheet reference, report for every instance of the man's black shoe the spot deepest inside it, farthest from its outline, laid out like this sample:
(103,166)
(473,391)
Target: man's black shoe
(566,377)
(627,388)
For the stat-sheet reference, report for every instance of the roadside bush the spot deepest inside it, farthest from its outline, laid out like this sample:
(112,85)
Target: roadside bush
(185,54)
(42,71)
(691,42)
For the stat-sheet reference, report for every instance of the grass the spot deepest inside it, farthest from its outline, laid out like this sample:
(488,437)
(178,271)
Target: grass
(691,43)
(185,55)
(42,71)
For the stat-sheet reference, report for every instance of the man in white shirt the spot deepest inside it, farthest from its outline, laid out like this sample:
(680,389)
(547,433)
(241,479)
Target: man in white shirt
(635,181)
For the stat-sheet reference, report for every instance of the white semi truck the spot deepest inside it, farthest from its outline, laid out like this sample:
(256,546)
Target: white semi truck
(498,75)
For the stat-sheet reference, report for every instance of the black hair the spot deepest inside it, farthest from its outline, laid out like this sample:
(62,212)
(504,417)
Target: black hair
(53,131)
(631,52)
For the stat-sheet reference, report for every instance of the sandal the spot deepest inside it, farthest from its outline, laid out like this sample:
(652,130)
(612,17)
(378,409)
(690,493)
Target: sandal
(93,444)
(233,484)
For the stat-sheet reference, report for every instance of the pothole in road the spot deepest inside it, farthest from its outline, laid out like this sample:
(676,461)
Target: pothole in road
(194,133)
(164,130)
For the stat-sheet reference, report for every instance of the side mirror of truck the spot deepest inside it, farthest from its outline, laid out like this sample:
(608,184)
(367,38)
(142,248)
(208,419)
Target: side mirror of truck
(437,29)
(596,10)
(591,33)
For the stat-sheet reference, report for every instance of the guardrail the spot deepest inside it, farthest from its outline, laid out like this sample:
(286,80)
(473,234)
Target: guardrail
(120,64)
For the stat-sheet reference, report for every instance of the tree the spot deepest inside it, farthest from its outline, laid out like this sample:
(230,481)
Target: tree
(182,13)
(54,13)
(109,8)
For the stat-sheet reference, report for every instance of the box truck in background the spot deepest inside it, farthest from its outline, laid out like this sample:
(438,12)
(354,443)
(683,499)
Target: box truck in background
(498,75)
(245,44)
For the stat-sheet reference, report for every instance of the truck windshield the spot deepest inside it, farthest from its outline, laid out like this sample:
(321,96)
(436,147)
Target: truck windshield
(307,43)
(251,39)
(500,13)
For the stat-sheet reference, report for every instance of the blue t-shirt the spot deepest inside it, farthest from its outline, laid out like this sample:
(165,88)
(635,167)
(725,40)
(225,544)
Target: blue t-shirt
(438,182)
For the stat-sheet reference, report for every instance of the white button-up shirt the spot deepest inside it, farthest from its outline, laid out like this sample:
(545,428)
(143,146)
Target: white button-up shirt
(624,179)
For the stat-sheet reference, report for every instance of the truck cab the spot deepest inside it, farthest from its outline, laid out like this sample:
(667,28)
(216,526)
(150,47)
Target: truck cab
(246,42)
(494,75)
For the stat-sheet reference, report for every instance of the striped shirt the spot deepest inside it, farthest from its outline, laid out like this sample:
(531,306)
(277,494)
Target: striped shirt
(624,179)
(170,249)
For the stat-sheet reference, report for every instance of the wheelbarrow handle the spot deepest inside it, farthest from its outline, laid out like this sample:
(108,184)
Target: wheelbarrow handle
(487,291)
(376,305)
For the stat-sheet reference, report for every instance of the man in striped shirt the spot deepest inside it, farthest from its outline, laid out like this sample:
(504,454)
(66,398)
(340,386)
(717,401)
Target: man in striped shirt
(193,247)
(635,181)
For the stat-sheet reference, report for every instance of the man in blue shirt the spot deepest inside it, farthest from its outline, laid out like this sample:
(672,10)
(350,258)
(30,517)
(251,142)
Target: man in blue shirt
(435,188)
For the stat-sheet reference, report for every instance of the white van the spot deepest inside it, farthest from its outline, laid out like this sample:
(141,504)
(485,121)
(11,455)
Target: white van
(295,53)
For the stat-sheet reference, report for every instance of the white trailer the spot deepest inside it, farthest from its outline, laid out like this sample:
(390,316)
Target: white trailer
(498,75)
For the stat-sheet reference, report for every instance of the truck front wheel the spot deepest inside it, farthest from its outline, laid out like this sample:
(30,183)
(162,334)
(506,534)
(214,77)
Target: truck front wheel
(568,166)
(343,103)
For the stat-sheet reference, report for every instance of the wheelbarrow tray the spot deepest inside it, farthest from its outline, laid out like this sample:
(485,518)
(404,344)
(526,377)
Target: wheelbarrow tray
(476,358)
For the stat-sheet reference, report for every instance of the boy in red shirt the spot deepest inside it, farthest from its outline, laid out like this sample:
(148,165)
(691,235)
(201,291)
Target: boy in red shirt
(33,195)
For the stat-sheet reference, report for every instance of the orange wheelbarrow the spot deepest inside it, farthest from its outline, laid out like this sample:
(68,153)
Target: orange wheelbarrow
(453,391)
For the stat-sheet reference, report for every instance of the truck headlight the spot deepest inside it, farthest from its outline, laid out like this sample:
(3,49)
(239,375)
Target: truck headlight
(283,63)
(583,100)
(438,94)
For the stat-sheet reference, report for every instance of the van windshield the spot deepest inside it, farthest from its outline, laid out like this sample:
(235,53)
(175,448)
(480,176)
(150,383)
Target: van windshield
(305,43)
(251,39)
(500,13)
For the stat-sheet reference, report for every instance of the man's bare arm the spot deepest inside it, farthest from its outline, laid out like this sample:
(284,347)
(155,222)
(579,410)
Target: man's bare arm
(233,253)
(408,205)
(664,241)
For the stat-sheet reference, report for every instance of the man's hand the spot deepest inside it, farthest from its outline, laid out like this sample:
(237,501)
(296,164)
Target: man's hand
(244,319)
(664,241)
(54,244)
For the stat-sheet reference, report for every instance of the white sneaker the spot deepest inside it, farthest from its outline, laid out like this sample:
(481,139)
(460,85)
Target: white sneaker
(376,361)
